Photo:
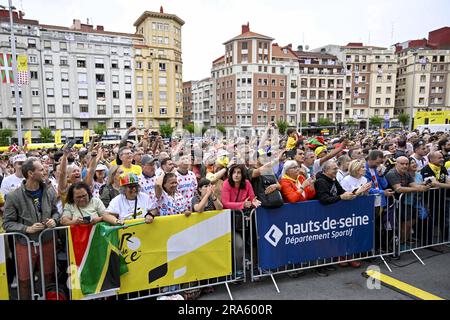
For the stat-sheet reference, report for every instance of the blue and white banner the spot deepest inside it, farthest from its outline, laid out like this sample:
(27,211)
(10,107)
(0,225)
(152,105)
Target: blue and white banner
(309,231)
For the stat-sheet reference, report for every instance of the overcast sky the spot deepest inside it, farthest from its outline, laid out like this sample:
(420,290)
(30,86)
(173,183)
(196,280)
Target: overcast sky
(209,23)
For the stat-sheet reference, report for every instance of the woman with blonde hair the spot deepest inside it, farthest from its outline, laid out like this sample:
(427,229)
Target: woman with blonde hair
(355,181)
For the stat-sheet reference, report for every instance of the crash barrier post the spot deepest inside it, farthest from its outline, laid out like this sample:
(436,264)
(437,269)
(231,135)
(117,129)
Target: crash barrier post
(424,220)
(237,257)
(17,253)
(308,235)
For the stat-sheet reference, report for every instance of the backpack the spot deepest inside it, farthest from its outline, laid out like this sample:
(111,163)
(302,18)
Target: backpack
(272,200)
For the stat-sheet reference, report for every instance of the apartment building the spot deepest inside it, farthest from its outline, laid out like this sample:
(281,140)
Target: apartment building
(423,73)
(370,78)
(249,84)
(201,97)
(80,76)
(321,87)
(158,70)
(187,103)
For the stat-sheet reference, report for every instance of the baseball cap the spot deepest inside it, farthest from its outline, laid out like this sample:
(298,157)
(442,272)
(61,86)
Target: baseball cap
(101,167)
(20,158)
(319,150)
(147,159)
(128,178)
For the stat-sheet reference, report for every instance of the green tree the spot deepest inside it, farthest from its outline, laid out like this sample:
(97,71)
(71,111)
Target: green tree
(376,121)
(221,128)
(4,135)
(282,126)
(189,127)
(204,129)
(166,130)
(46,136)
(324,122)
(100,129)
(403,118)
(351,123)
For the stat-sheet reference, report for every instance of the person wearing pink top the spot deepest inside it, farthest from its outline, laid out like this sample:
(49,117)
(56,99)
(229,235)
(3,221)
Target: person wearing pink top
(237,192)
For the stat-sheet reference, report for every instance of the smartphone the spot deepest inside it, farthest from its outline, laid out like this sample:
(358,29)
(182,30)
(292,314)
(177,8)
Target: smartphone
(87,219)
(70,143)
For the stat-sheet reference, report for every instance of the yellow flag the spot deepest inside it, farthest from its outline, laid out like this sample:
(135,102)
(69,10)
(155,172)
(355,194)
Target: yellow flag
(27,137)
(22,63)
(58,137)
(86,136)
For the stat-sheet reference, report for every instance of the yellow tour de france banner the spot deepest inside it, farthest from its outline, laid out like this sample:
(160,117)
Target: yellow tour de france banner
(171,250)
(4,292)
(176,249)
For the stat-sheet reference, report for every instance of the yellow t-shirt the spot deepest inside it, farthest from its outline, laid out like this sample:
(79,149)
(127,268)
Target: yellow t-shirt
(137,170)
(113,163)
(447,165)
(291,143)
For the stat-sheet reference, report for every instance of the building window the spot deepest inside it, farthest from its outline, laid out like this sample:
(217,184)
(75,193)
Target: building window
(163,95)
(162,110)
(116,124)
(82,77)
(114,64)
(116,110)
(82,94)
(66,109)
(84,108)
(51,108)
(127,64)
(101,109)
(64,76)
(115,79)
(128,95)
(115,94)
(65,93)
(50,92)
(31,43)
(34,75)
(84,124)
(99,63)
(47,44)
(67,124)
(35,93)
(81,63)
(49,76)
(162,67)
(63,61)
(100,78)
(128,79)
(52,124)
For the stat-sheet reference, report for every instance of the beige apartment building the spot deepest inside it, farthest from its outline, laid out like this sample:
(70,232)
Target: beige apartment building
(370,79)
(158,71)
(321,89)
(423,73)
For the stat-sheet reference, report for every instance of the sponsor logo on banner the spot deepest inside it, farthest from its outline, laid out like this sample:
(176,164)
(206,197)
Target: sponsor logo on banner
(309,231)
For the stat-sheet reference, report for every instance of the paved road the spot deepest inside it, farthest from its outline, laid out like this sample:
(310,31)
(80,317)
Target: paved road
(349,284)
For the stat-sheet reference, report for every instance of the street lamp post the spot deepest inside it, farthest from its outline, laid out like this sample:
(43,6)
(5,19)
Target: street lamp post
(411,110)
(14,66)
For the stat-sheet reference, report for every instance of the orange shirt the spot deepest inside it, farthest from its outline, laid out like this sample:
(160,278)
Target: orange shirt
(290,192)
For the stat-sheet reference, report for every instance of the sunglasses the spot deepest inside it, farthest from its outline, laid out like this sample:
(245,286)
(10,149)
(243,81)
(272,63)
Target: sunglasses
(132,186)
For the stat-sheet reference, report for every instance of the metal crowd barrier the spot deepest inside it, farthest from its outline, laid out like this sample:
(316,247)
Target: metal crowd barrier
(424,219)
(61,258)
(385,243)
(11,258)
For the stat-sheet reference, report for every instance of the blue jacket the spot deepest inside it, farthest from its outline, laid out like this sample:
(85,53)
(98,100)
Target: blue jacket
(382,185)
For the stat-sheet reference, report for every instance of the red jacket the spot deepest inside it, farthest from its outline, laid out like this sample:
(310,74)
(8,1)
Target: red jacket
(290,192)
